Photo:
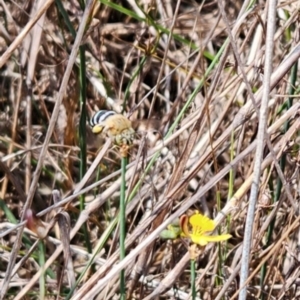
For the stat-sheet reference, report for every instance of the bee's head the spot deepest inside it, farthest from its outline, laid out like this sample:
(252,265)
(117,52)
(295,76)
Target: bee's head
(98,128)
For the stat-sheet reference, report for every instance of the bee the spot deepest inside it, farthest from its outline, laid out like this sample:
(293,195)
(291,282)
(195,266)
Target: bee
(116,126)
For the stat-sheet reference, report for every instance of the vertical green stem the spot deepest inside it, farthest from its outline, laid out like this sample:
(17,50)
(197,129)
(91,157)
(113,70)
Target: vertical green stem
(82,136)
(123,225)
(42,263)
(193,278)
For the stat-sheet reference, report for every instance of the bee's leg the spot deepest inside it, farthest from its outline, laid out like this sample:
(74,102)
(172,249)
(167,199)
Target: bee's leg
(118,139)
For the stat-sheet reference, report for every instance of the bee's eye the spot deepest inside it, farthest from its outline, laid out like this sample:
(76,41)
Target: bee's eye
(100,117)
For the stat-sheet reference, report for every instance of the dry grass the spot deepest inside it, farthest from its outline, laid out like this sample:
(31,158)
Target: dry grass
(171,67)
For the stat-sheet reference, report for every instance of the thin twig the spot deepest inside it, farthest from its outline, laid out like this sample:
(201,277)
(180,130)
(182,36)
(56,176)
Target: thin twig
(271,25)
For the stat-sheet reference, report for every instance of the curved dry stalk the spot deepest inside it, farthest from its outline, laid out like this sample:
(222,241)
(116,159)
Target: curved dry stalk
(13,46)
(34,45)
(13,136)
(51,125)
(92,168)
(168,281)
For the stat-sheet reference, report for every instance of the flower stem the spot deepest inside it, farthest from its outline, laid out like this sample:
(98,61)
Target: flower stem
(193,278)
(123,225)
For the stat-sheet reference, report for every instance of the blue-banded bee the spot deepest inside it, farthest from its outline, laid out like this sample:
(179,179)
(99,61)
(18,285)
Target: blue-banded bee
(116,126)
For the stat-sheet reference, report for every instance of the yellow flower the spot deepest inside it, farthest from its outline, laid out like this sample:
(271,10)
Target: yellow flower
(201,226)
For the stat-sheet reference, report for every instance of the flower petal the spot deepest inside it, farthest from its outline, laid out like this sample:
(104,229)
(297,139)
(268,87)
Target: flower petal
(202,223)
(199,239)
(218,238)
(205,239)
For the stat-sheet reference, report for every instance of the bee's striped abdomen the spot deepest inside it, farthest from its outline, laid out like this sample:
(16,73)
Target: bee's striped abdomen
(100,117)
